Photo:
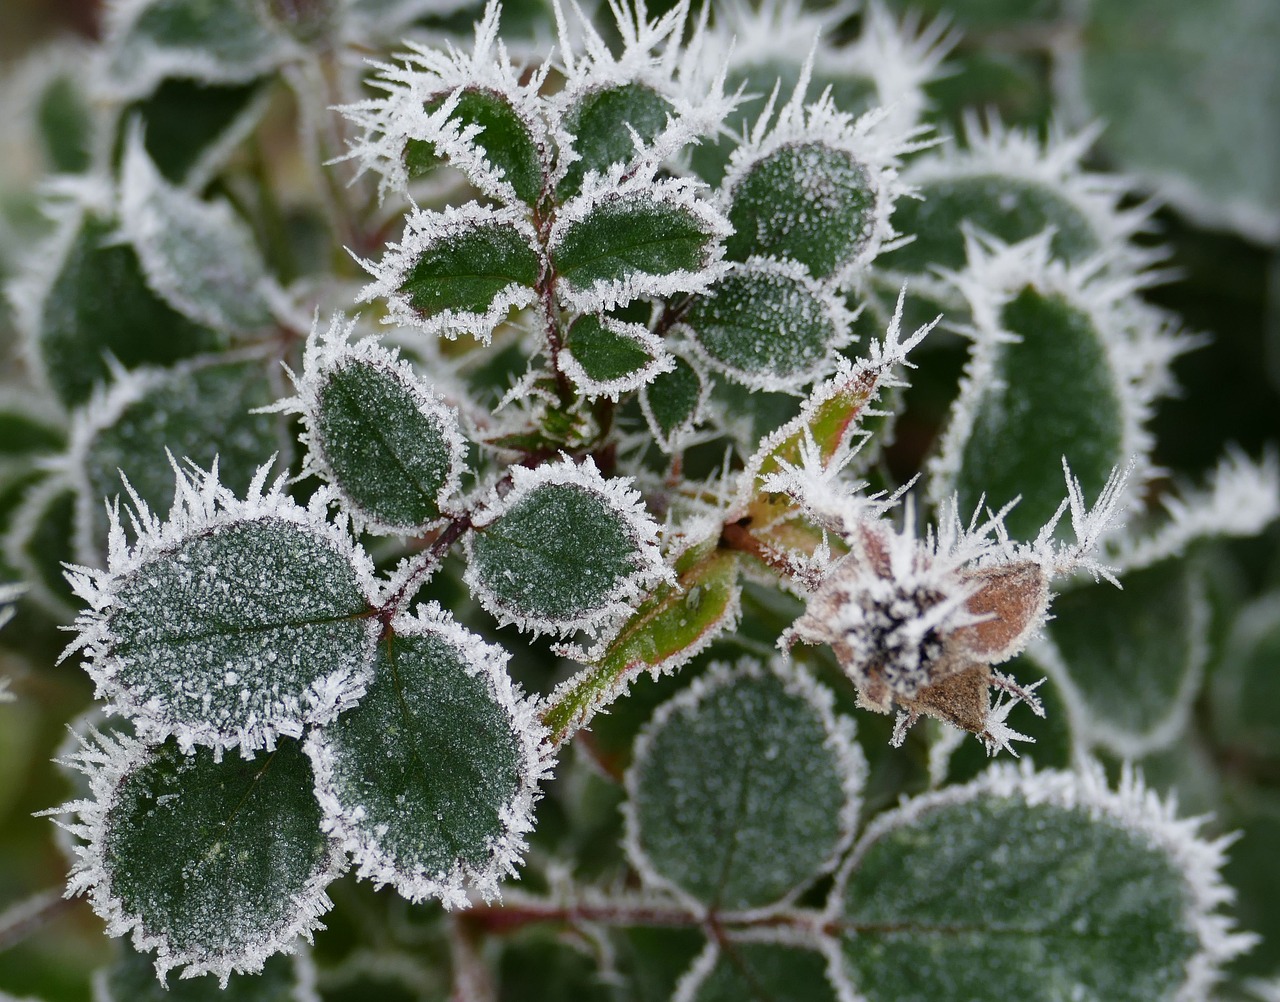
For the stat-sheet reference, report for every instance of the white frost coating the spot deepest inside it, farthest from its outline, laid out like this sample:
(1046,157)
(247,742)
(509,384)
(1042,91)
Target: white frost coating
(1140,343)
(990,148)
(107,760)
(429,74)
(652,55)
(618,496)
(331,350)
(77,199)
(425,231)
(660,361)
(199,257)
(669,443)
(797,936)
(637,184)
(147,65)
(345,822)
(832,306)
(1241,499)
(1133,808)
(847,754)
(896,59)
(200,505)
(871,139)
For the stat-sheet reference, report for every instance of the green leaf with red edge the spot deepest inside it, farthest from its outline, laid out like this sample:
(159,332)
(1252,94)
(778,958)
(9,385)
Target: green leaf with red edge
(670,627)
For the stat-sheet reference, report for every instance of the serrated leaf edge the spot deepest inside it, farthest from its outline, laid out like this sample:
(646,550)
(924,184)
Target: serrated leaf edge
(847,754)
(479,659)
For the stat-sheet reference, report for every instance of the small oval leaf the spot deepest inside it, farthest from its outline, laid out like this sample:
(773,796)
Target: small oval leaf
(563,550)
(744,788)
(430,782)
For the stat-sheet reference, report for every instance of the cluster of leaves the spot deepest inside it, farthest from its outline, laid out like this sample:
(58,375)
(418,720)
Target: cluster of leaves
(632,361)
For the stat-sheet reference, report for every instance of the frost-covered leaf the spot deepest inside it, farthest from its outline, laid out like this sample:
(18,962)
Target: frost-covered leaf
(505,139)
(1133,658)
(216,865)
(198,256)
(768,325)
(564,549)
(230,41)
(376,432)
(623,239)
(1179,85)
(1246,681)
(762,970)
(1035,886)
(608,357)
(744,788)
(191,128)
(232,623)
(92,301)
(201,411)
(672,404)
(669,628)
(1066,364)
(430,782)
(132,978)
(602,121)
(460,271)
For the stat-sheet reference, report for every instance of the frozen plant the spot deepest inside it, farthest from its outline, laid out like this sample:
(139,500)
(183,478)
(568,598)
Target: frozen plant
(563,475)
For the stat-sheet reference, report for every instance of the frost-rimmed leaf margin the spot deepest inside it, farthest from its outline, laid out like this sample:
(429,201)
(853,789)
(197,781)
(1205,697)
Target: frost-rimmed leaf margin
(660,361)
(392,121)
(234,292)
(425,230)
(108,759)
(329,351)
(795,937)
(1138,341)
(620,498)
(625,184)
(869,139)
(846,753)
(201,504)
(480,660)
(1133,808)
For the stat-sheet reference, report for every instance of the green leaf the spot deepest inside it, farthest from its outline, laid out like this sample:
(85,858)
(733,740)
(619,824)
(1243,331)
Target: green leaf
(429,783)
(97,303)
(601,121)
(190,127)
(1034,886)
(460,271)
(215,864)
(744,788)
(673,402)
(380,436)
(1134,657)
(132,978)
(806,202)
(1246,680)
(671,626)
(1178,84)
(607,357)
(1049,394)
(231,625)
(644,238)
(198,256)
(563,550)
(761,971)
(1009,208)
(506,140)
(768,325)
(230,41)
(199,411)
